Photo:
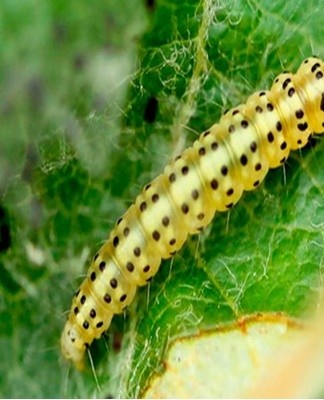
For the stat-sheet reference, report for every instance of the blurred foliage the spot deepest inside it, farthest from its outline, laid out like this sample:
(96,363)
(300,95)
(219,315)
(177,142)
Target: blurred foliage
(96,98)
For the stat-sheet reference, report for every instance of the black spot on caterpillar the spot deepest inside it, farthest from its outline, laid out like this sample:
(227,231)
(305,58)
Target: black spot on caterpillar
(232,156)
(5,237)
(151,110)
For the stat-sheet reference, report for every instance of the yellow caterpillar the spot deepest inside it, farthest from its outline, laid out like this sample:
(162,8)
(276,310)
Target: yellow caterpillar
(232,156)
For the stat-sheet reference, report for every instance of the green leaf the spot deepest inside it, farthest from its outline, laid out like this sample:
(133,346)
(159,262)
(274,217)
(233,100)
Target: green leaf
(77,143)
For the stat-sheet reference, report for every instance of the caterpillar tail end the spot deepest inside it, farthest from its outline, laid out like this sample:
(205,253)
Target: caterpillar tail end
(72,346)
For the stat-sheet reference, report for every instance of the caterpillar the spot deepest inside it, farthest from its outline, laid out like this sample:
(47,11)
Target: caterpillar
(232,156)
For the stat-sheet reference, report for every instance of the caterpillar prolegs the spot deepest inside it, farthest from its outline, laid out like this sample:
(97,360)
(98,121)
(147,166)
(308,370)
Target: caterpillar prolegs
(232,156)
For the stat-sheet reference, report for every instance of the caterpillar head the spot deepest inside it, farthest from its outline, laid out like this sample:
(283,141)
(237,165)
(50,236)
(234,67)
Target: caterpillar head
(72,345)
